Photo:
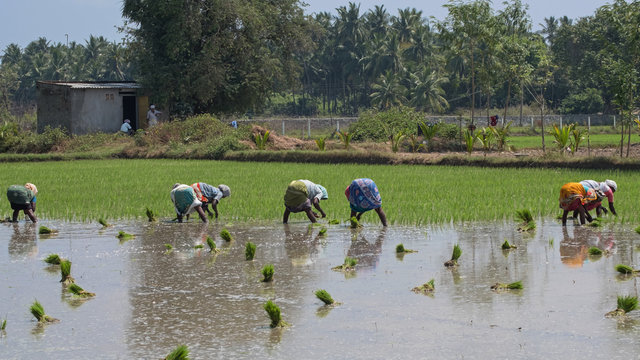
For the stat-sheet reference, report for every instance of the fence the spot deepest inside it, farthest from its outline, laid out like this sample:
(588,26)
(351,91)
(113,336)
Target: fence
(306,127)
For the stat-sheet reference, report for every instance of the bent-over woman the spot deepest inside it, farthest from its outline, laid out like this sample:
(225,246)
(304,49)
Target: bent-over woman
(23,197)
(185,202)
(208,194)
(574,197)
(605,189)
(363,195)
(300,196)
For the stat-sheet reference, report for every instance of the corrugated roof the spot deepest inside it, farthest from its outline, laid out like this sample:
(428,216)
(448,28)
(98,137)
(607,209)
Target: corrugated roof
(95,84)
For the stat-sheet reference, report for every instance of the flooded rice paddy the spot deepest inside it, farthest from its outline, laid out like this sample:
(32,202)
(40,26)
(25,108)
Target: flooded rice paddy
(150,300)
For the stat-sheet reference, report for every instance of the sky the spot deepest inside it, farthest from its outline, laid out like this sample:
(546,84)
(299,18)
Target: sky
(59,21)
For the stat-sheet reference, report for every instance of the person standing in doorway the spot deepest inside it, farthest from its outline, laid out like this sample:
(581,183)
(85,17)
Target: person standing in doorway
(152,115)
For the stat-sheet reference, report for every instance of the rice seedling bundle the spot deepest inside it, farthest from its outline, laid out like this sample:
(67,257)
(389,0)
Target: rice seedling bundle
(354,222)
(336,222)
(249,251)
(211,244)
(267,273)
(274,314)
(43,230)
(150,180)
(3,327)
(179,353)
(226,235)
(52,259)
(625,269)
(65,272)
(199,246)
(526,220)
(80,292)
(455,255)
(151,215)
(594,251)
(124,236)
(502,287)
(348,265)
(323,231)
(38,312)
(427,288)
(400,249)
(626,304)
(324,296)
(507,246)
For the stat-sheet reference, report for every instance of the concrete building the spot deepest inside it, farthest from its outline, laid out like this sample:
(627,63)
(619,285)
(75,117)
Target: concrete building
(89,107)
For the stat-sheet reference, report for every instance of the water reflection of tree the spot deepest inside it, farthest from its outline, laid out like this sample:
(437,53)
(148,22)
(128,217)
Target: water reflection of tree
(24,241)
(368,254)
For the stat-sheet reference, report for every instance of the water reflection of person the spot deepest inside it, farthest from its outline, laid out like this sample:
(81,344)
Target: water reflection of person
(574,250)
(367,253)
(23,242)
(301,247)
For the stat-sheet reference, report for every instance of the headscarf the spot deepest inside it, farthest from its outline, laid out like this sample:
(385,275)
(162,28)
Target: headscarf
(325,194)
(226,191)
(175,185)
(32,187)
(612,184)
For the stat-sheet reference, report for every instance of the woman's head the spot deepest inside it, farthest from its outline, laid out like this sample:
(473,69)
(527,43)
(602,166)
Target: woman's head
(31,187)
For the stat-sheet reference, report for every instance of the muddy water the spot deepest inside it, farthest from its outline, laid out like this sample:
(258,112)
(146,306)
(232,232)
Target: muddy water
(150,300)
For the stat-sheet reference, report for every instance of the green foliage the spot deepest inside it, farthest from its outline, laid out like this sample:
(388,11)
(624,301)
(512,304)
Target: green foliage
(448,131)
(501,135)
(396,140)
(323,231)
(577,135)
(507,246)
(350,262)
(627,303)
(261,139)
(526,220)
(52,259)
(637,230)
(469,140)
(324,296)
(354,222)
(274,313)
(78,291)
(267,273)
(457,252)
(562,136)
(321,143)
(3,326)
(103,222)
(429,131)
(124,236)
(414,143)
(179,353)
(38,311)
(485,137)
(225,235)
(65,269)
(586,101)
(380,125)
(249,251)
(399,248)
(345,137)
(44,230)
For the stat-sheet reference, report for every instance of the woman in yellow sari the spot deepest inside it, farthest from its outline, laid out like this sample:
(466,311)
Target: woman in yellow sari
(574,197)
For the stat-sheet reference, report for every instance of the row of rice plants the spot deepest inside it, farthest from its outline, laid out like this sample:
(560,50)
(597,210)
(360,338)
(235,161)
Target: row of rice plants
(122,189)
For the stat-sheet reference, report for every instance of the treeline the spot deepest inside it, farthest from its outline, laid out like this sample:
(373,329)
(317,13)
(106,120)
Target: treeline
(259,57)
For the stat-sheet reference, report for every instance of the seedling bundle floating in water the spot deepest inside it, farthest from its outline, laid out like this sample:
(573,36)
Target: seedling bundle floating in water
(267,273)
(595,251)
(526,219)
(324,296)
(211,244)
(274,314)
(427,288)
(43,230)
(179,353)
(504,287)
(507,246)
(400,249)
(38,312)
(457,252)
(103,222)
(249,251)
(348,265)
(169,248)
(80,292)
(627,270)
(53,259)
(323,231)
(226,235)
(626,304)
(123,236)
(65,272)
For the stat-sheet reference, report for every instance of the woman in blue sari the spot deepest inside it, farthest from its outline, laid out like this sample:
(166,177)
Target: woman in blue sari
(363,195)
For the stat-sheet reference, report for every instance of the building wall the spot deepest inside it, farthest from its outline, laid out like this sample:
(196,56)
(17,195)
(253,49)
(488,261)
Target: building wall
(54,107)
(95,110)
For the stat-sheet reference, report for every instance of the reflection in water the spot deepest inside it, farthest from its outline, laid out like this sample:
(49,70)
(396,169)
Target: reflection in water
(24,241)
(367,253)
(301,246)
(574,250)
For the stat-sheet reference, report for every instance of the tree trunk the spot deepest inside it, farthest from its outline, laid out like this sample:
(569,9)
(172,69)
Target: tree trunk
(521,100)
(542,118)
(473,85)
(621,132)
(629,138)
(506,105)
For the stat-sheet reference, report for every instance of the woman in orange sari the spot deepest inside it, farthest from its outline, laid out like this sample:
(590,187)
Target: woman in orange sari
(574,197)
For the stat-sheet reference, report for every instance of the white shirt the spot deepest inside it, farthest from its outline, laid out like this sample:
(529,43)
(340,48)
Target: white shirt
(152,116)
(125,128)
(313,190)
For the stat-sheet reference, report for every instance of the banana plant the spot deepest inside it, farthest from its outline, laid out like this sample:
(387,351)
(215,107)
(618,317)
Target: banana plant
(501,135)
(429,131)
(469,140)
(261,140)
(485,137)
(415,143)
(396,140)
(577,135)
(345,137)
(562,136)
(321,143)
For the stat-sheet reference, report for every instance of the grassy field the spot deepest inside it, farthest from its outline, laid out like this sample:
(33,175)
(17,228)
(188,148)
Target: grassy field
(87,190)
(596,140)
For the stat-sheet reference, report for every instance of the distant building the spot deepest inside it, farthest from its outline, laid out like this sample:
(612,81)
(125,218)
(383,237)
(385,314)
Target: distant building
(89,107)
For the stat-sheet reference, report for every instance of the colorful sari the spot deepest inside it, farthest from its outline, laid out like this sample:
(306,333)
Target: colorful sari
(574,194)
(296,198)
(363,195)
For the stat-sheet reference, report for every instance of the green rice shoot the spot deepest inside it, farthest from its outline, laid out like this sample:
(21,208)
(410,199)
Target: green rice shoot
(78,291)
(507,246)
(625,269)
(526,220)
(513,286)
(169,247)
(103,222)
(274,314)
(43,230)
(337,222)
(65,271)
(400,249)
(637,229)
(249,251)
(427,288)
(38,312)
(595,251)
(324,296)
(211,244)
(226,235)
(53,259)
(267,273)
(124,236)
(627,303)
(323,231)
(151,215)
(199,246)
(179,353)
(3,326)
(354,222)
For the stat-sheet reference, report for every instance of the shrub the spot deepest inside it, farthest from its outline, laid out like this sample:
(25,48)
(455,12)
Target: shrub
(448,131)
(380,125)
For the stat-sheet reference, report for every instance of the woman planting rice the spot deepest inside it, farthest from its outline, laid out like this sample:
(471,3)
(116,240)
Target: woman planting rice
(300,195)
(605,189)
(208,194)
(574,197)
(23,198)
(185,201)
(363,196)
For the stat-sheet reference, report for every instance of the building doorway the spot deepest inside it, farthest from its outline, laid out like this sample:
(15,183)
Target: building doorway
(129,111)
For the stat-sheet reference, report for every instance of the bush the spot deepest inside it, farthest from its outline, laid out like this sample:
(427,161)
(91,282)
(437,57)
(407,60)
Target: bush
(448,131)
(589,101)
(217,147)
(380,125)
